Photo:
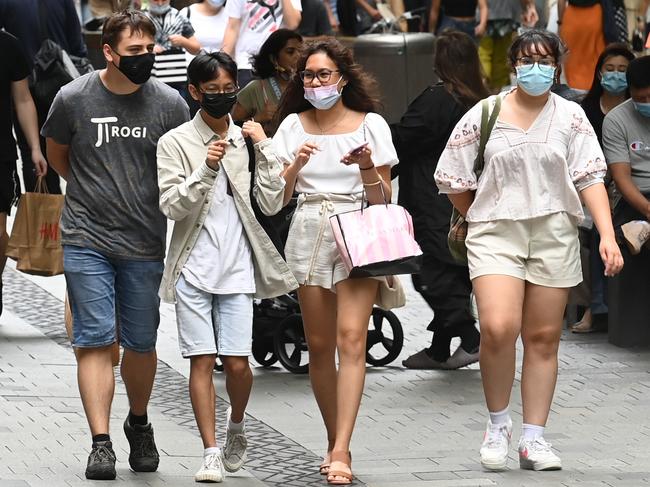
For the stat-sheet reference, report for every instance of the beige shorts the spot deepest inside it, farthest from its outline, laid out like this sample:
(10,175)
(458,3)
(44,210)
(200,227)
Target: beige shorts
(544,250)
(310,249)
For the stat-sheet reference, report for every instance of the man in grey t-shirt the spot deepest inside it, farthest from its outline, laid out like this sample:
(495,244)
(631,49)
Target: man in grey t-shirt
(102,132)
(626,143)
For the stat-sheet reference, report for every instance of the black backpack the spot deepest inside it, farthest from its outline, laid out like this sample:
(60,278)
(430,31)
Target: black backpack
(53,67)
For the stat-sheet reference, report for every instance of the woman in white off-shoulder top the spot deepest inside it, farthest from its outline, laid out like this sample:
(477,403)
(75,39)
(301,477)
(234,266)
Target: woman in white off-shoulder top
(333,148)
(541,159)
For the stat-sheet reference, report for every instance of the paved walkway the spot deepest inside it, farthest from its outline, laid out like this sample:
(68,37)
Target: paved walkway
(415,428)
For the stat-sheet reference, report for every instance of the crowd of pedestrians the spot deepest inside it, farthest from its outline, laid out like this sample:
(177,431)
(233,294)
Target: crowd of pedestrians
(212,113)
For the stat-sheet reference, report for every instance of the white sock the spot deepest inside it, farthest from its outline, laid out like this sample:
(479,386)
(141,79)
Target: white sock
(213,450)
(236,428)
(499,418)
(532,431)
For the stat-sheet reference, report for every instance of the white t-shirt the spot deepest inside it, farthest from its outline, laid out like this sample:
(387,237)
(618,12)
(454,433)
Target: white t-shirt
(325,173)
(259,19)
(208,29)
(221,261)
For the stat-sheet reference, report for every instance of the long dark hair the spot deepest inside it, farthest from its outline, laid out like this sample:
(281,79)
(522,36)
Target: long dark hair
(614,49)
(458,66)
(361,92)
(262,62)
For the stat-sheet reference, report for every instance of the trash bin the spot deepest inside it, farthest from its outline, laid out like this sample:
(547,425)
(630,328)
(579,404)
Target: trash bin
(402,63)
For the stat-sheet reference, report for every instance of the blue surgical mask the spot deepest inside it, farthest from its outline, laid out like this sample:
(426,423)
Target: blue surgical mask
(614,82)
(217,3)
(642,108)
(535,79)
(155,9)
(323,97)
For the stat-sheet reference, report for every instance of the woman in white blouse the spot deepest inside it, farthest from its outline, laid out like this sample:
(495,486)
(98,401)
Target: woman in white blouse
(327,112)
(541,159)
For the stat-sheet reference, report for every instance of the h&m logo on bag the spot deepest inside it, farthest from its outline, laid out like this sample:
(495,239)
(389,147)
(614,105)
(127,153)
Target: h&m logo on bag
(106,130)
(49,231)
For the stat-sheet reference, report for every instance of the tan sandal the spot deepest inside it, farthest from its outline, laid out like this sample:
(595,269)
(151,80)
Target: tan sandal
(346,459)
(324,467)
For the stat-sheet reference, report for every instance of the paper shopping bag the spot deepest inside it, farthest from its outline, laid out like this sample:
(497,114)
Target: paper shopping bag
(35,241)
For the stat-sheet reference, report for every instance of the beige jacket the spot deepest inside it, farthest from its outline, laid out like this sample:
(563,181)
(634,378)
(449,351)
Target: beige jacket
(186,186)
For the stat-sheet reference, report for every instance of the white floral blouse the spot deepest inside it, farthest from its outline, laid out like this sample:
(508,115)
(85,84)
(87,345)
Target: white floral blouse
(527,174)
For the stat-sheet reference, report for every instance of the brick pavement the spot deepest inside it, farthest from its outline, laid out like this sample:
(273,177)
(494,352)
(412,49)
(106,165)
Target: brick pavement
(415,429)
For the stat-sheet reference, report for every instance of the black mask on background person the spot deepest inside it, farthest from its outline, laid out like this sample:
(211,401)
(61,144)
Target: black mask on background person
(218,105)
(137,68)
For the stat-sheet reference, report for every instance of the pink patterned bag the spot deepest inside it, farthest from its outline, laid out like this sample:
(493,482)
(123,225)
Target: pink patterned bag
(377,241)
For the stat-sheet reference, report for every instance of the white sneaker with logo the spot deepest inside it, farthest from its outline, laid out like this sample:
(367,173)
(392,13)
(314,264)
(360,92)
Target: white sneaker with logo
(537,455)
(211,470)
(496,443)
(234,451)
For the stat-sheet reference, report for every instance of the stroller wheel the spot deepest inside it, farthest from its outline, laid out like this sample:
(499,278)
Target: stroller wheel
(385,338)
(263,352)
(290,345)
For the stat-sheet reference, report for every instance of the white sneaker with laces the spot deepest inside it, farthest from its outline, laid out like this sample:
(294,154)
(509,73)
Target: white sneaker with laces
(496,443)
(211,470)
(537,455)
(234,451)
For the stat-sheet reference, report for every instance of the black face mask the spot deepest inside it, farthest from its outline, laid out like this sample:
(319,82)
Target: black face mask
(218,105)
(137,68)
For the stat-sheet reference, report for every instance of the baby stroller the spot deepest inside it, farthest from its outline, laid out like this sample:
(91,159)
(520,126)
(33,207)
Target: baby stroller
(278,335)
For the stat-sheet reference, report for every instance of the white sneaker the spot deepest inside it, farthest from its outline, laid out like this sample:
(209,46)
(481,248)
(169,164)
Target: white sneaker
(234,451)
(537,455)
(496,443)
(211,470)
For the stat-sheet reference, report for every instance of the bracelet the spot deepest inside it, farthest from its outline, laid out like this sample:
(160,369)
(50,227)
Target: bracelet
(366,168)
(376,183)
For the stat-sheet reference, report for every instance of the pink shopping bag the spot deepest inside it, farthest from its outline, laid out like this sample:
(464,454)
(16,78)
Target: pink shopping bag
(377,241)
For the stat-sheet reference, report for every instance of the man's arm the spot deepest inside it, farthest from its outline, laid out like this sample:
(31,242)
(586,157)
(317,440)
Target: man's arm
(373,12)
(622,174)
(529,15)
(434,13)
(292,16)
(481,28)
(230,36)
(73,31)
(561,7)
(28,119)
(57,154)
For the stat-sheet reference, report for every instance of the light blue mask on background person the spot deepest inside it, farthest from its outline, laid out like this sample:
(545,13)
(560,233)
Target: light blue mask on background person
(642,108)
(323,97)
(217,3)
(613,82)
(156,9)
(535,80)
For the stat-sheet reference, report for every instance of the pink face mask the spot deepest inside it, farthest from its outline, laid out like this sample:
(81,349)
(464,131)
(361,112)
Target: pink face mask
(323,97)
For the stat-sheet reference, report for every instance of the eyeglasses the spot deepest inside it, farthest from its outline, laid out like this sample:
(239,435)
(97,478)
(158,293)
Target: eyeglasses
(324,75)
(527,61)
(226,90)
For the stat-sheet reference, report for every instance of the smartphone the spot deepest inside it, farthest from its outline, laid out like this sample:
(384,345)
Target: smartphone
(356,150)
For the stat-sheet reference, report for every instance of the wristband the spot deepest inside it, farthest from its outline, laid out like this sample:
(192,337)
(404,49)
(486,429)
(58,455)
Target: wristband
(366,168)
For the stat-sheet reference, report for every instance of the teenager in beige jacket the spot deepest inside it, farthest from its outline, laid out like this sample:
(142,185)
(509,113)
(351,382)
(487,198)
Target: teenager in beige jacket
(219,257)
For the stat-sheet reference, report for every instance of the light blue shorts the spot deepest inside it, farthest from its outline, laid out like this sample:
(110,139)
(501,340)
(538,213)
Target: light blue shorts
(213,323)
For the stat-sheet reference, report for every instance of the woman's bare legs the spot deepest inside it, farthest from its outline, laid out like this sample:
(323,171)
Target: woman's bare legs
(500,302)
(540,333)
(318,307)
(355,298)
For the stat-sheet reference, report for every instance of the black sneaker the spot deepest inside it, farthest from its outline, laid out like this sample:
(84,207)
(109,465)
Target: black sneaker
(101,462)
(144,455)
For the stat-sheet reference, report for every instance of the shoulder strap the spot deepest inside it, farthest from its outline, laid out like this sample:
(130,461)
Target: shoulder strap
(42,20)
(488,120)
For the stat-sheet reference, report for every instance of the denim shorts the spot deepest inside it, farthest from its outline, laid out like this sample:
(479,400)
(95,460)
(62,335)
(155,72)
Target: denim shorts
(210,324)
(105,292)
